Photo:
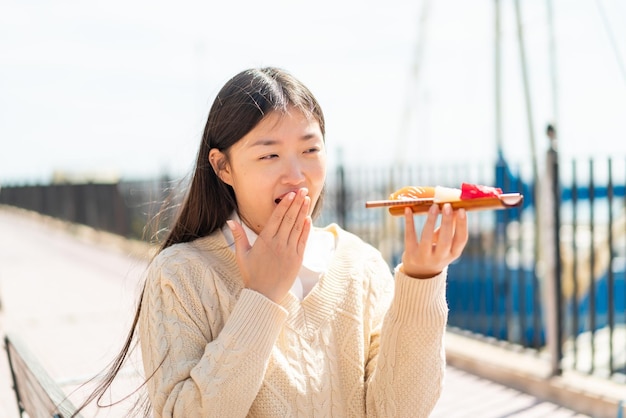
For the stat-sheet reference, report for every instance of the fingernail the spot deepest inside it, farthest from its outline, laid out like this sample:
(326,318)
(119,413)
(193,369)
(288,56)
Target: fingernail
(433,209)
(230,224)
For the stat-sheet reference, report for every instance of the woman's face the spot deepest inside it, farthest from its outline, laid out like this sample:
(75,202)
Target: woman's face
(283,153)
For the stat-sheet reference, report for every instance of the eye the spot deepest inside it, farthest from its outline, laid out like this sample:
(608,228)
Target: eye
(269,157)
(312,150)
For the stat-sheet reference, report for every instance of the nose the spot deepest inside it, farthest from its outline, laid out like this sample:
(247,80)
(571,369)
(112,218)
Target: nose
(293,171)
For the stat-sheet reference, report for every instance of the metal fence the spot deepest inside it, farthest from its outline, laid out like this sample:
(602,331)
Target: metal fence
(500,288)
(504,287)
(123,208)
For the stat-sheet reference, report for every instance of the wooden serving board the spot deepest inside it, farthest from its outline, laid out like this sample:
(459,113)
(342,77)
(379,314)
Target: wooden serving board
(421,206)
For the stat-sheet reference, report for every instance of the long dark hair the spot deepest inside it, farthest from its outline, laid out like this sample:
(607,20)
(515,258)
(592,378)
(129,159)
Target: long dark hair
(239,106)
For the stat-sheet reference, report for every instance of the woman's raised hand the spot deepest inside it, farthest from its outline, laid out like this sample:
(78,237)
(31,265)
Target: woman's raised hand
(437,246)
(271,265)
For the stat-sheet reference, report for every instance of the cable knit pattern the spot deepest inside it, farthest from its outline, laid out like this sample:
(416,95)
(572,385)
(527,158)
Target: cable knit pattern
(360,344)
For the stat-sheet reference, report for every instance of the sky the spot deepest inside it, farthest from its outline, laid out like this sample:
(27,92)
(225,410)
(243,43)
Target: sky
(123,88)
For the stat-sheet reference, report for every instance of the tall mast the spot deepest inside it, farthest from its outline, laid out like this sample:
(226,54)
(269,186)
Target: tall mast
(613,41)
(553,71)
(528,101)
(498,79)
(412,90)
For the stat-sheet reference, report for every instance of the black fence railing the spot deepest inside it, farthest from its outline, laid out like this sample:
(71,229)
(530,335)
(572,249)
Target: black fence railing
(122,208)
(503,287)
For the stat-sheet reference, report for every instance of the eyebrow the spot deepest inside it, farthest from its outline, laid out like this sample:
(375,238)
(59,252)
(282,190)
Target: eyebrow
(269,141)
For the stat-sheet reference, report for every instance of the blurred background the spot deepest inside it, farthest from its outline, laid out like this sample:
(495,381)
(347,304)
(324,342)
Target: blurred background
(122,89)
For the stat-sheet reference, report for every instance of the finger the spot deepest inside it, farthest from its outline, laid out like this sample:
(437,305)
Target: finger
(273,225)
(410,236)
(446,229)
(304,236)
(461,233)
(294,216)
(436,236)
(428,230)
(295,233)
(242,245)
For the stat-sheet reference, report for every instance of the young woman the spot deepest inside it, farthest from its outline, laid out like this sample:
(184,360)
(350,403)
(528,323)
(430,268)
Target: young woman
(249,310)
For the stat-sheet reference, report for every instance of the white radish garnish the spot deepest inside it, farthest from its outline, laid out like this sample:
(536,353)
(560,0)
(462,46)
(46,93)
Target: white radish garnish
(447,194)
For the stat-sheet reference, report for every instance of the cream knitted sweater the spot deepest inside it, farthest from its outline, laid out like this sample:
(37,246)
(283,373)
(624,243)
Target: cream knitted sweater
(361,344)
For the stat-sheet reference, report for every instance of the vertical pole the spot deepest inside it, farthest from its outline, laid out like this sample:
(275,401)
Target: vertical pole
(529,113)
(497,78)
(553,156)
(553,160)
(611,296)
(553,70)
(592,267)
(543,216)
(412,89)
(548,205)
(575,278)
(531,131)
(341,195)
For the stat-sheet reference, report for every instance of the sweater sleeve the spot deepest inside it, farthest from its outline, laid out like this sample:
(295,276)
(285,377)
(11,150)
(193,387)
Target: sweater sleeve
(194,369)
(409,370)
